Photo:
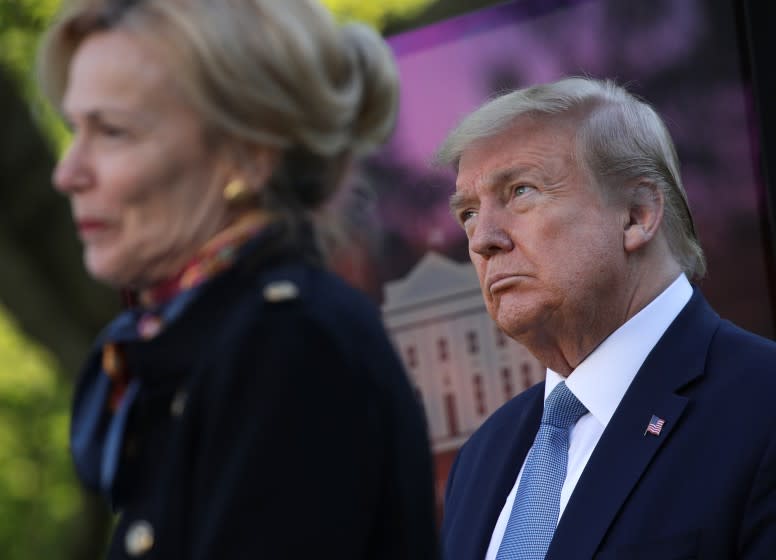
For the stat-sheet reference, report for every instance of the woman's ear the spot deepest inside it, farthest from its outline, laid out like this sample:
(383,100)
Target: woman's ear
(646,203)
(260,166)
(250,165)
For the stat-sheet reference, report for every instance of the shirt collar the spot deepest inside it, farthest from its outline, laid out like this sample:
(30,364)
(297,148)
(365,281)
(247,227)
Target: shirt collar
(600,381)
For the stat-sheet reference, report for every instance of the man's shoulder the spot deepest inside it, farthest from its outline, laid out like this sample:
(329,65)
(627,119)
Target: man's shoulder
(746,353)
(509,414)
(737,339)
(484,469)
(726,349)
(516,405)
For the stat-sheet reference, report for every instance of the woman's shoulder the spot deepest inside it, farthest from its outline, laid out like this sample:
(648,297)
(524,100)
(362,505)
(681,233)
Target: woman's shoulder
(297,292)
(288,302)
(303,319)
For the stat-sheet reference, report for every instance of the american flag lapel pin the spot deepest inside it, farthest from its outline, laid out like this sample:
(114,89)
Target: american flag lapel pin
(655,426)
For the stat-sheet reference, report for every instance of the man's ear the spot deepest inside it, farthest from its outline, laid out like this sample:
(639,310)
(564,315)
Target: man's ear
(645,214)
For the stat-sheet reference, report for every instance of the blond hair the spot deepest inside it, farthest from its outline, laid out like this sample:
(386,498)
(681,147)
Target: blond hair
(278,74)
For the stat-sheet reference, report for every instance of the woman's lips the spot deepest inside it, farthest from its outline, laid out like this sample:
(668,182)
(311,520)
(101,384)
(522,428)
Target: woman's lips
(90,227)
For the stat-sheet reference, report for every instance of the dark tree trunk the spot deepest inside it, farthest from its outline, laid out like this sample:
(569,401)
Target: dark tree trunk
(42,281)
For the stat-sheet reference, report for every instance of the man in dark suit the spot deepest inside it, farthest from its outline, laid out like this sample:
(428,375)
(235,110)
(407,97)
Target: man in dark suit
(654,434)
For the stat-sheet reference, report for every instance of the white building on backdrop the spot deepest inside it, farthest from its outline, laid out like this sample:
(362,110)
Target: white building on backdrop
(463,367)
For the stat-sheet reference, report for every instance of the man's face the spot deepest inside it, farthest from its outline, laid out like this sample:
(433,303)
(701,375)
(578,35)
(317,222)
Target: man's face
(546,243)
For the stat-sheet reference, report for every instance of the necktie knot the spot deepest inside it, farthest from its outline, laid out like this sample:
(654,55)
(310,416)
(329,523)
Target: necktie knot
(562,409)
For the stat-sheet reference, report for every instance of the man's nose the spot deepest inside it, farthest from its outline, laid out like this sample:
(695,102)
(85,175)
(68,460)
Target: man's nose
(490,237)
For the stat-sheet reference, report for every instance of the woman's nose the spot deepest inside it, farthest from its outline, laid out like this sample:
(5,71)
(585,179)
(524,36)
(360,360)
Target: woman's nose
(71,173)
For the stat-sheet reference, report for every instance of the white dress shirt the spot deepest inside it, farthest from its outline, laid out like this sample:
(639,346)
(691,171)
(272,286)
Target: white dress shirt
(600,382)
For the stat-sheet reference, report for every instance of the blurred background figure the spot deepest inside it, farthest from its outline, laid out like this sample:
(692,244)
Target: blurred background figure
(247,403)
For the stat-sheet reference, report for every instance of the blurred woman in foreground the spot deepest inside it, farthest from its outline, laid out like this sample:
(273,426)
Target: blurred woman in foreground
(249,405)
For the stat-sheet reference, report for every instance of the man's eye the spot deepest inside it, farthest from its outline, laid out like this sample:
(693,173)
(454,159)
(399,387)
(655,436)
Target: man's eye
(520,190)
(466,215)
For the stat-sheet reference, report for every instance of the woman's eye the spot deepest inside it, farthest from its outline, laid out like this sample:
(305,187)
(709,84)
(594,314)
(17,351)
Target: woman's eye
(109,129)
(112,131)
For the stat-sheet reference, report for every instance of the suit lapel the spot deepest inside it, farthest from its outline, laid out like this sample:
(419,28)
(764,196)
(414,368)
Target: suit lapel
(500,463)
(624,451)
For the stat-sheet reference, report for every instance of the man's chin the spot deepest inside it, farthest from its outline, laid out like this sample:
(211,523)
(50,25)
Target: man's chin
(517,328)
(525,323)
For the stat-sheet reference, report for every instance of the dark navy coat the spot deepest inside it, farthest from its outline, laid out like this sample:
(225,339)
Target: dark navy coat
(704,488)
(275,421)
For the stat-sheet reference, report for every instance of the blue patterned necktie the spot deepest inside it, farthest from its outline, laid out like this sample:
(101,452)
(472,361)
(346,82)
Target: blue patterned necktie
(537,503)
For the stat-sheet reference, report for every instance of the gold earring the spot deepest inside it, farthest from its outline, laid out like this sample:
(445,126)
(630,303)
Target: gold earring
(235,191)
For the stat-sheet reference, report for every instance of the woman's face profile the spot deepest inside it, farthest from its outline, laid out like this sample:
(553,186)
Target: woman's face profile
(145,190)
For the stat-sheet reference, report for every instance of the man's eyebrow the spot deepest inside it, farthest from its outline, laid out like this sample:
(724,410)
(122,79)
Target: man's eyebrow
(492,181)
(459,200)
(501,176)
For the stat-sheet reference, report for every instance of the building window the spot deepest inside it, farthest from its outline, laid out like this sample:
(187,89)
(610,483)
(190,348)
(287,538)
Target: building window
(501,338)
(506,378)
(412,357)
(472,343)
(442,349)
(452,416)
(479,394)
(527,380)
(419,397)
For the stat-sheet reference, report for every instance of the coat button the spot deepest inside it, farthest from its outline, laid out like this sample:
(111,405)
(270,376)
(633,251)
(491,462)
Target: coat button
(130,446)
(139,538)
(280,291)
(178,403)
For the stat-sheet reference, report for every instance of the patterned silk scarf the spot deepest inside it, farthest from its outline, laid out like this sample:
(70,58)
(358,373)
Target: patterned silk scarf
(108,390)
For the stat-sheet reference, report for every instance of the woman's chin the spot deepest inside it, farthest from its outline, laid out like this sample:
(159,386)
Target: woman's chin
(106,270)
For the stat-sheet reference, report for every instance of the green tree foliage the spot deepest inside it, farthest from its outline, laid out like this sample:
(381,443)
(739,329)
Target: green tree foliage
(38,496)
(378,14)
(23,21)
(21,24)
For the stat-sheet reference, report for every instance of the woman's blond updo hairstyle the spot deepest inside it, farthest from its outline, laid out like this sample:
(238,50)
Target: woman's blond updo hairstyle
(278,73)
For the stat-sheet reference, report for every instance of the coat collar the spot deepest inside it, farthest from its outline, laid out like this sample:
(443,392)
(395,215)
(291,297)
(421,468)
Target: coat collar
(624,452)
(167,359)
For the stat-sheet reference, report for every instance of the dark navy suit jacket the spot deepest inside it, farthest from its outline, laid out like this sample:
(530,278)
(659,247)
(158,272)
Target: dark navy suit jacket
(704,488)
